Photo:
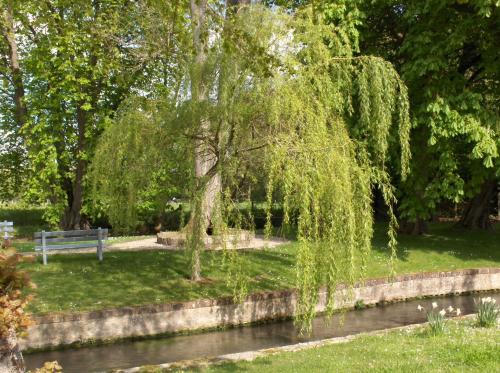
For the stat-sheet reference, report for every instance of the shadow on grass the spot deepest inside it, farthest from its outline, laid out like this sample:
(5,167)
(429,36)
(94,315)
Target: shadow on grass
(80,282)
(444,238)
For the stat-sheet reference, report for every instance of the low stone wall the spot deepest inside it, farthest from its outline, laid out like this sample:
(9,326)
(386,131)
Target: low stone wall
(234,237)
(67,328)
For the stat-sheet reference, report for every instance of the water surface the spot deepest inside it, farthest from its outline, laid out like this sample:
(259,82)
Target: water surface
(157,351)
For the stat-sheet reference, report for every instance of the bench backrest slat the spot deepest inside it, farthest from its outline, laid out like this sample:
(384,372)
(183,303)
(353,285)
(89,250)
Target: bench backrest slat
(71,233)
(93,237)
(66,246)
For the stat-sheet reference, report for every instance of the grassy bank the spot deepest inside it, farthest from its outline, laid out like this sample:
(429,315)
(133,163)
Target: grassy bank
(79,282)
(463,348)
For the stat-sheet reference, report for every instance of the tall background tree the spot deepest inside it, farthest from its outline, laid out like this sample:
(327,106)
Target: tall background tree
(445,52)
(68,65)
(14,113)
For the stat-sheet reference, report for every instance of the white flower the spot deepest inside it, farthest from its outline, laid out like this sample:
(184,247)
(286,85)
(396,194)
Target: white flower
(450,309)
(486,300)
(420,308)
(458,312)
(493,300)
(434,305)
(442,312)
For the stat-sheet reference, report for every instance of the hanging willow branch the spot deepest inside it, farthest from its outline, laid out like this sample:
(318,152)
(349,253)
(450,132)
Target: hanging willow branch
(332,123)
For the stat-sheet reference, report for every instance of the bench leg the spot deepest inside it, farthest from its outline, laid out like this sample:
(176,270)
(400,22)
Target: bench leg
(44,248)
(99,244)
(99,252)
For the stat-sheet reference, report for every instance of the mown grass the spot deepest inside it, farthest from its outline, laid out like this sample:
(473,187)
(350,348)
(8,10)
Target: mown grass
(463,348)
(79,282)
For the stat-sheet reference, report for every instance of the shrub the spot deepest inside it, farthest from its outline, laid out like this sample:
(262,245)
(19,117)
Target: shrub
(13,319)
(12,303)
(359,305)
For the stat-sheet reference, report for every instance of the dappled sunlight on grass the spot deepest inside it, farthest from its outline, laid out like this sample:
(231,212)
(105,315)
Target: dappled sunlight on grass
(80,282)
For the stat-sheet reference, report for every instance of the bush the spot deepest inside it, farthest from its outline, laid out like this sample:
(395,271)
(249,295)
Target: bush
(13,319)
(12,303)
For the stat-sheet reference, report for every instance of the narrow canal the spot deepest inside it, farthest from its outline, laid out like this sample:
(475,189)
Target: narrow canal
(170,349)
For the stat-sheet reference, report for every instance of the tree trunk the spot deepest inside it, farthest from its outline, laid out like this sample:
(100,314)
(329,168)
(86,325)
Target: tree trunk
(204,161)
(8,31)
(477,212)
(206,156)
(72,217)
(498,201)
(418,227)
(11,358)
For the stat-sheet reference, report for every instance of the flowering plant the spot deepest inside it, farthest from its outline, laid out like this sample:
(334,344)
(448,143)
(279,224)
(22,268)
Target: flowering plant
(436,319)
(487,312)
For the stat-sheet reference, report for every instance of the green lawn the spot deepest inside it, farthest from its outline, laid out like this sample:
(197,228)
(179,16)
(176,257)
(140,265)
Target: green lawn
(463,348)
(80,282)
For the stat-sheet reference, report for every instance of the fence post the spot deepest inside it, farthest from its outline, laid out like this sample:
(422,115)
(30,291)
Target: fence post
(99,244)
(44,248)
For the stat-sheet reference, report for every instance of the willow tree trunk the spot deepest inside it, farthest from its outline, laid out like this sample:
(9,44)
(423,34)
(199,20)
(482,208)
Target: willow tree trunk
(207,178)
(477,212)
(11,358)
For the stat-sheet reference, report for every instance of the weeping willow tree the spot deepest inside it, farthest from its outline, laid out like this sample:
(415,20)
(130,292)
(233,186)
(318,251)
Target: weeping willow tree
(268,97)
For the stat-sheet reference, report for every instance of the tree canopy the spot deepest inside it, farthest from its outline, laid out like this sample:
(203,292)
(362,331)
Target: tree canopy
(111,108)
(445,53)
(318,120)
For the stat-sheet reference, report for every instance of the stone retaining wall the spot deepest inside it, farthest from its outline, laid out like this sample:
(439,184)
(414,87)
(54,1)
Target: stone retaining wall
(66,328)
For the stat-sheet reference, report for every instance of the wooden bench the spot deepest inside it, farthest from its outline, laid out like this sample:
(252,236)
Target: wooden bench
(67,240)
(5,228)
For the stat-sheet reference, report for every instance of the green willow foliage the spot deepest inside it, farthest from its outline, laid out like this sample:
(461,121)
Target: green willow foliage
(308,118)
(136,161)
(332,120)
